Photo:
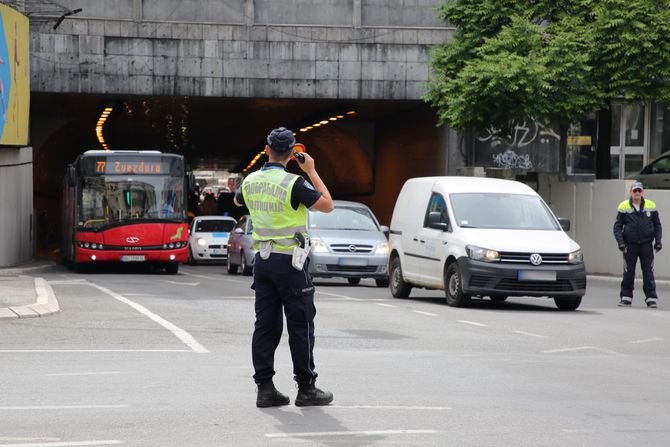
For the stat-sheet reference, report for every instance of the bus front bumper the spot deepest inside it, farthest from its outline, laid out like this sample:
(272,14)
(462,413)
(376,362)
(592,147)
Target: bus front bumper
(159,256)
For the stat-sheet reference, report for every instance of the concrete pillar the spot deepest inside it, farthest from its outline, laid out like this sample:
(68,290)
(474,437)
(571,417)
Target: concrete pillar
(357,15)
(137,10)
(249,12)
(16,205)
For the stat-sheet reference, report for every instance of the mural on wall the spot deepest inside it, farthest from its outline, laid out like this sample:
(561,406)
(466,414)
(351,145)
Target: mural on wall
(531,146)
(14,77)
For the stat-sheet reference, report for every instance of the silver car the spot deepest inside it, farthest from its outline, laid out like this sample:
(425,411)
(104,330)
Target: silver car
(240,247)
(656,175)
(348,243)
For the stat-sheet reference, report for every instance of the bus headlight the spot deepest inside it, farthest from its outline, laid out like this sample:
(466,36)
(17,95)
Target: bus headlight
(576,257)
(482,254)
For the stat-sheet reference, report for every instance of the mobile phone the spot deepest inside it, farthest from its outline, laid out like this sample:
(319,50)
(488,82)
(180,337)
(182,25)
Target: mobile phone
(299,156)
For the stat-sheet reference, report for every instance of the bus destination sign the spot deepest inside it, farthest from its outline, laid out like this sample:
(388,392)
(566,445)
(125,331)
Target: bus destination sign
(121,166)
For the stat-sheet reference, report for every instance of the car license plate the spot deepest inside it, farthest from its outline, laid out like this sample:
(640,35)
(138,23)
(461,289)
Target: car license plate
(132,258)
(353,261)
(532,275)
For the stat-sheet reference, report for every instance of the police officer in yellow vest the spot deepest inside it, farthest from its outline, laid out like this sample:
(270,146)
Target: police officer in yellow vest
(636,228)
(278,203)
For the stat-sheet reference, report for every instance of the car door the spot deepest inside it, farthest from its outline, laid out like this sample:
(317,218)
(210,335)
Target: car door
(432,242)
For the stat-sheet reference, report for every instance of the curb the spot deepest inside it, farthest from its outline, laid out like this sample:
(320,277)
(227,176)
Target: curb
(23,270)
(46,304)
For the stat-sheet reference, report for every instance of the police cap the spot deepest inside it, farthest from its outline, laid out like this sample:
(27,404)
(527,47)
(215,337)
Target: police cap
(281,140)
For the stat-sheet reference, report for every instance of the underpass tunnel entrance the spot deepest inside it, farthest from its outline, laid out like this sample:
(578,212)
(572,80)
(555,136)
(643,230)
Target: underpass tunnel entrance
(365,155)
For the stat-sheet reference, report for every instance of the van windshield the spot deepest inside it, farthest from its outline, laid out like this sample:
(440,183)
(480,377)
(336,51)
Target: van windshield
(502,211)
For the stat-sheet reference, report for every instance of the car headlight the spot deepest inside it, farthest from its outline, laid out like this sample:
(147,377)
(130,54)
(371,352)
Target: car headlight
(576,257)
(318,246)
(482,254)
(202,242)
(382,249)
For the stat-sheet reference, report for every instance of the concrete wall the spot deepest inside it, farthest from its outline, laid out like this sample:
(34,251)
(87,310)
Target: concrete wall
(16,212)
(357,49)
(591,208)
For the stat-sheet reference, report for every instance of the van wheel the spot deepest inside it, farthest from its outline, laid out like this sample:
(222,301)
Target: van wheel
(453,287)
(232,268)
(382,282)
(399,287)
(498,298)
(568,303)
(246,269)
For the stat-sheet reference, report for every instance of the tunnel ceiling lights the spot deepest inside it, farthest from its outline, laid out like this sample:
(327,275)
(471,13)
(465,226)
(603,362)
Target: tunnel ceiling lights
(98,127)
(319,123)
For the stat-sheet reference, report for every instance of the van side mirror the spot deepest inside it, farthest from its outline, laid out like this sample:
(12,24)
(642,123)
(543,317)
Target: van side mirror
(384,229)
(565,223)
(238,231)
(434,221)
(71,176)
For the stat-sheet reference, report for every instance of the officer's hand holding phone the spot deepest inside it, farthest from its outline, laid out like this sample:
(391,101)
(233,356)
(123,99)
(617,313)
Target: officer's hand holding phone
(307,163)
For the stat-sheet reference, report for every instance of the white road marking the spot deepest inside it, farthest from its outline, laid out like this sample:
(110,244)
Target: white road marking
(65,444)
(62,407)
(336,295)
(192,284)
(144,295)
(390,407)
(474,323)
(59,282)
(177,331)
(430,314)
(581,348)
(646,340)
(30,351)
(530,334)
(350,433)
(98,373)
(217,279)
(385,305)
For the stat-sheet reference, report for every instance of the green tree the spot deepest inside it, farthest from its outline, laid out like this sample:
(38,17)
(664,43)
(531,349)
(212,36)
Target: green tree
(551,60)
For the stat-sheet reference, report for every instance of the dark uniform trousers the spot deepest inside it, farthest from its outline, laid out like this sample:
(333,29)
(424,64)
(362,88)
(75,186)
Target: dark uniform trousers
(646,254)
(278,284)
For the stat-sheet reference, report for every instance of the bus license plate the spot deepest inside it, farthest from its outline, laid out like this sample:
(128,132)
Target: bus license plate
(132,258)
(530,275)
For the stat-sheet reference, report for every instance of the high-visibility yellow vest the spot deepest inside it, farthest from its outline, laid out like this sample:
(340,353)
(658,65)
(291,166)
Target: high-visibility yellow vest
(267,194)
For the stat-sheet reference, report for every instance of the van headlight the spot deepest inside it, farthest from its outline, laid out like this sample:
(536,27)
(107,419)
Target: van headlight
(576,257)
(318,246)
(202,242)
(482,254)
(382,249)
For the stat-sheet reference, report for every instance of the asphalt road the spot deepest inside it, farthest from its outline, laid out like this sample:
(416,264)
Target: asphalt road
(147,359)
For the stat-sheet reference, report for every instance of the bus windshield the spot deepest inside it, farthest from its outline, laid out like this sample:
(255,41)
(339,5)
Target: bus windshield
(111,199)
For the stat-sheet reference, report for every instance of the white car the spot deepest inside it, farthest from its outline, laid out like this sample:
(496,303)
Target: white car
(208,238)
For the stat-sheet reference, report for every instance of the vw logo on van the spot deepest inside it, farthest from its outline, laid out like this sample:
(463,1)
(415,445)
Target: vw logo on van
(132,239)
(535,259)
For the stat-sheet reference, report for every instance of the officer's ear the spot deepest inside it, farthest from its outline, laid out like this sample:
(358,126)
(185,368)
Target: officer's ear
(267,150)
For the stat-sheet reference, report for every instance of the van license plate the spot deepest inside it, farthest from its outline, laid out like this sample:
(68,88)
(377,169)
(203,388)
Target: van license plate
(353,261)
(530,275)
(132,258)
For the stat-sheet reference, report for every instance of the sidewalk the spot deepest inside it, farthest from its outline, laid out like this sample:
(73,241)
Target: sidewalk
(25,296)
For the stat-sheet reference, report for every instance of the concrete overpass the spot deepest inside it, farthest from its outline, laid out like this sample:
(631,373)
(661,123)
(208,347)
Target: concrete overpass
(208,78)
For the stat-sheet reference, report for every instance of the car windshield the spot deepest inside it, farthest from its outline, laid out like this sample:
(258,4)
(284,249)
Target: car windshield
(505,211)
(214,226)
(109,199)
(343,218)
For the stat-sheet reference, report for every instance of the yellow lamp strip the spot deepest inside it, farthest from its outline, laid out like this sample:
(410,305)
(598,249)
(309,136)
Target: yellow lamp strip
(323,122)
(98,127)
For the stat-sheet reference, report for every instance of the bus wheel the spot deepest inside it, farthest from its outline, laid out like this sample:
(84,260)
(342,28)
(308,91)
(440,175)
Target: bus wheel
(172,269)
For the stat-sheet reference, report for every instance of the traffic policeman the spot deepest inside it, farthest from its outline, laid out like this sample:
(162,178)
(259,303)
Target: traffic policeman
(278,203)
(636,228)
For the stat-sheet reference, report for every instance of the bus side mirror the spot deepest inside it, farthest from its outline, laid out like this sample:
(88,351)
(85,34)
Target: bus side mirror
(71,176)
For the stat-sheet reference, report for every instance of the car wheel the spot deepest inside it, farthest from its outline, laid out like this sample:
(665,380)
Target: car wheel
(354,281)
(399,287)
(246,269)
(230,267)
(172,269)
(498,298)
(382,282)
(191,258)
(568,303)
(453,287)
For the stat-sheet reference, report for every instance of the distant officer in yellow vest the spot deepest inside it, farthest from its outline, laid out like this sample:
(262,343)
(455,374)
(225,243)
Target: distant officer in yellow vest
(636,228)
(278,203)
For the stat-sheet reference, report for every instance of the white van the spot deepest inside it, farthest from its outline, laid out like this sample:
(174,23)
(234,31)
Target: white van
(476,236)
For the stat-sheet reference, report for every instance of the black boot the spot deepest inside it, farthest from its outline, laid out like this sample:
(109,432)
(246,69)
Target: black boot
(268,396)
(309,395)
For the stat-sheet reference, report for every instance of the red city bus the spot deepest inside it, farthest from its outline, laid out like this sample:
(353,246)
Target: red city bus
(126,206)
